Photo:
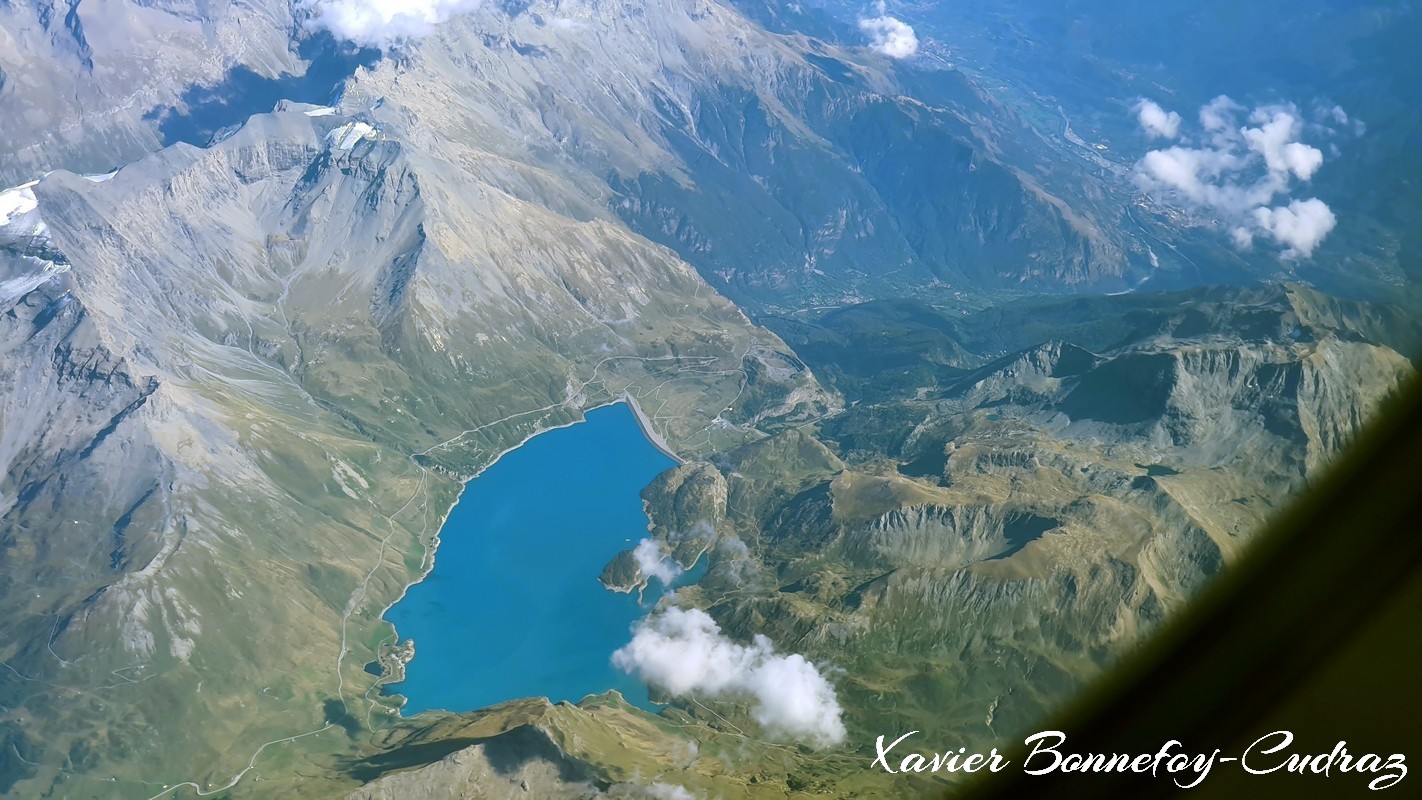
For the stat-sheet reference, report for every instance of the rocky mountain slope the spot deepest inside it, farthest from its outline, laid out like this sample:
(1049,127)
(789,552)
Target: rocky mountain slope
(967,552)
(86,86)
(971,545)
(244,375)
(697,127)
(298,329)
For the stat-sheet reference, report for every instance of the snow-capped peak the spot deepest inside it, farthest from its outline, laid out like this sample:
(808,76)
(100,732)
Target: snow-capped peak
(19,212)
(349,135)
(24,268)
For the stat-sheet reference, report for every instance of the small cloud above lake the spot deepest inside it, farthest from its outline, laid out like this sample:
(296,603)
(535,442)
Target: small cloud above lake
(654,562)
(684,653)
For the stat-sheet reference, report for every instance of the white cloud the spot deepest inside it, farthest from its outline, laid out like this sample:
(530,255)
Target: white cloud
(683,652)
(889,35)
(379,23)
(651,558)
(668,791)
(1156,121)
(734,562)
(1276,140)
(1300,226)
(1218,114)
(734,547)
(1242,172)
(565,24)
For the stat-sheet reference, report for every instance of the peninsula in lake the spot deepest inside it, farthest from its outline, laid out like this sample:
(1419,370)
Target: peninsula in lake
(513,606)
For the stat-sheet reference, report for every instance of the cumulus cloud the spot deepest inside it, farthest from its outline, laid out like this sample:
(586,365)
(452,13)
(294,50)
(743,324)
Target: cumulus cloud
(1242,169)
(1337,116)
(734,547)
(735,562)
(683,652)
(1219,114)
(379,23)
(1274,140)
(1302,225)
(1156,121)
(651,558)
(891,36)
(565,24)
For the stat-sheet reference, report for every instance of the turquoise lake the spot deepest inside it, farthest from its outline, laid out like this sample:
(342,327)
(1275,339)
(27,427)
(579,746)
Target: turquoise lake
(513,607)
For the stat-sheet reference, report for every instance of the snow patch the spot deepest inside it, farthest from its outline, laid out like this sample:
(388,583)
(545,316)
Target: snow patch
(15,288)
(19,212)
(22,226)
(349,135)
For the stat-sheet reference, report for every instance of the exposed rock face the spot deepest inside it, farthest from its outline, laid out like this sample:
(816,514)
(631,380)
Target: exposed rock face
(688,509)
(307,327)
(600,748)
(81,466)
(85,85)
(1004,530)
(521,763)
(786,169)
(240,384)
(708,144)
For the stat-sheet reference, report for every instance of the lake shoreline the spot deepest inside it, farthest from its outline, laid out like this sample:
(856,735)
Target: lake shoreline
(644,424)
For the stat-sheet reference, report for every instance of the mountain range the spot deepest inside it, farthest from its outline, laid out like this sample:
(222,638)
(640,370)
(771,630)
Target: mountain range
(965,410)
